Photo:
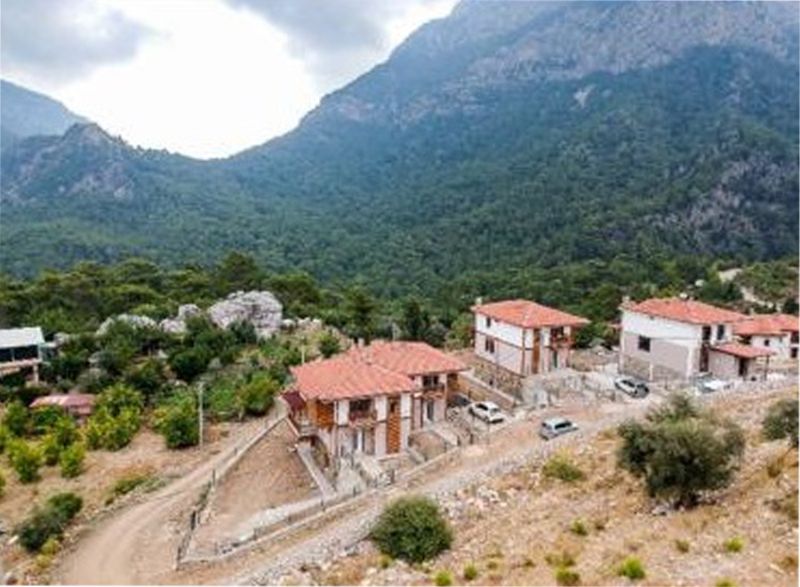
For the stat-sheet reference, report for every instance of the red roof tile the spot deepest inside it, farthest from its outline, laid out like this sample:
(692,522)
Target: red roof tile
(528,314)
(743,351)
(408,358)
(690,311)
(767,324)
(345,377)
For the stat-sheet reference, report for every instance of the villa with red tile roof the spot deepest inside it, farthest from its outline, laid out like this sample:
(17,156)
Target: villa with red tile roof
(667,338)
(776,332)
(523,337)
(370,400)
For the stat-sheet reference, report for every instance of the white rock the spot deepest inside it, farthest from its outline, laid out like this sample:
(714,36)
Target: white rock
(259,308)
(133,319)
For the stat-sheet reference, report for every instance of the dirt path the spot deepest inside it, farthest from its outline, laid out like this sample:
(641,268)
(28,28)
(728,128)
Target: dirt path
(139,544)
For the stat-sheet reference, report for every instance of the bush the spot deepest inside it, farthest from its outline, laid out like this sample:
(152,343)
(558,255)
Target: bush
(412,529)
(177,421)
(683,545)
(734,544)
(258,395)
(2,484)
(50,450)
(109,432)
(128,483)
(148,378)
(724,583)
(71,460)
(565,559)
(568,577)
(15,418)
(781,421)
(632,569)
(443,579)
(189,363)
(560,467)
(329,345)
(26,460)
(578,528)
(680,451)
(470,572)
(49,522)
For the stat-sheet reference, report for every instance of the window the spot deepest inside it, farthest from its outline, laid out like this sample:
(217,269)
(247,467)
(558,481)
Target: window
(430,381)
(488,322)
(767,342)
(795,336)
(720,331)
(794,353)
(706,333)
(644,343)
(488,345)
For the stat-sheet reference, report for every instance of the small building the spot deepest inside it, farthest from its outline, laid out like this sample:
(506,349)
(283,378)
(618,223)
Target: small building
(77,405)
(20,350)
(369,400)
(523,337)
(664,338)
(733,360)
(775,332)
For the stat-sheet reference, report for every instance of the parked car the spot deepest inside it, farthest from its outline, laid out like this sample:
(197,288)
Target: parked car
(553,427)
(489,412)
(712,385)
(633,387)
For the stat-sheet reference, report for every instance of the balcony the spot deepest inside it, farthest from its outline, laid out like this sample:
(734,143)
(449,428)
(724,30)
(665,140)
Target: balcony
(361,418)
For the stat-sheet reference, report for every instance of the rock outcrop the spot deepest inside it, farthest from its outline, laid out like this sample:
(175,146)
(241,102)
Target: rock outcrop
(259,308)
(177,325)
(134,320)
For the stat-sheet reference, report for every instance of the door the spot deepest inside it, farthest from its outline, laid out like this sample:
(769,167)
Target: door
(393,426)
(429,410)
(358,440)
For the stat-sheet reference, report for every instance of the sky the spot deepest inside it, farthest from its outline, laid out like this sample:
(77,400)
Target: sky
(204,78)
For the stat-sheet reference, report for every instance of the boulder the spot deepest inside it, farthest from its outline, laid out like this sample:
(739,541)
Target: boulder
(177,325)
(134,320)
(259,308)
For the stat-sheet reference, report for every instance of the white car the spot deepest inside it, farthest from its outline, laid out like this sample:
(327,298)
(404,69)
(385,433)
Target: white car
(712,385)
(633,387)
(553,427)
(489,412)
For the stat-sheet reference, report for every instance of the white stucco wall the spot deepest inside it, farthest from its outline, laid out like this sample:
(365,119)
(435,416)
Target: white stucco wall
(342,409)
(379,403)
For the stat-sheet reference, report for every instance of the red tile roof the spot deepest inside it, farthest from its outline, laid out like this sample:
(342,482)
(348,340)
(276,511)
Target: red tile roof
(79,402)
(528,314)
(680,310)
(345,377)
(767,324)
(743,351)
(408,358)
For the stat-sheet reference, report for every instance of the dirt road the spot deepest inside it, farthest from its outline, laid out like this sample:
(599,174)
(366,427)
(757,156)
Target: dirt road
(138,545)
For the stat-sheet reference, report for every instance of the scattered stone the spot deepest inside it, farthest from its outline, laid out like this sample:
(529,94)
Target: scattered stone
(134,320)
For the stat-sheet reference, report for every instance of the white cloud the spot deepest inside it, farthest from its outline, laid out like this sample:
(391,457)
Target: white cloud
(209,79)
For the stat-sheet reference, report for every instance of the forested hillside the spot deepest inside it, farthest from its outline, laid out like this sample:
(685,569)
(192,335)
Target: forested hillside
(505,143)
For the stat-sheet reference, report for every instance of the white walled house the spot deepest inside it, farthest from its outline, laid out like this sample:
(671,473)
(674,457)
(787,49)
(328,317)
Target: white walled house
(21,350)
(679,338)
(775,332)
(523,337)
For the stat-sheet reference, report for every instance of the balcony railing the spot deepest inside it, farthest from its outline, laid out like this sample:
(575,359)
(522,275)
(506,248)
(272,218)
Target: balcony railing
(362,417)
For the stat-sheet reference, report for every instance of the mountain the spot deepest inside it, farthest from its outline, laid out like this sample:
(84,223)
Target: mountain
(24,113)
(505,137)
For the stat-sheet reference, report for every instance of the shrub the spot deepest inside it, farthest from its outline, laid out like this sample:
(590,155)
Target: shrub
(148,378)
(48,522)
(106,431)
(26,460)
(329,345)
(631,568)
(734,544)
(2,484)
(15,418)
(189,363)
(781,421)
(443,579)
(560,467)
(578,528)
(43,419)
(724,583)
(385,561)
(128,483)
(71,460)
(177,421)
(566,576)
(599,524)
(565,559)
(682,545)
(680,451)
(258,395)
(412,529)
(470,572)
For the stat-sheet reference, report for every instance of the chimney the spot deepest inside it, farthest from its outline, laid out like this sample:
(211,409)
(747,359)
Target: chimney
(684,296)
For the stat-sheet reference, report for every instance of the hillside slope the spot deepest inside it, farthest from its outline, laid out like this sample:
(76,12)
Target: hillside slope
(505,136)
(24,113)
